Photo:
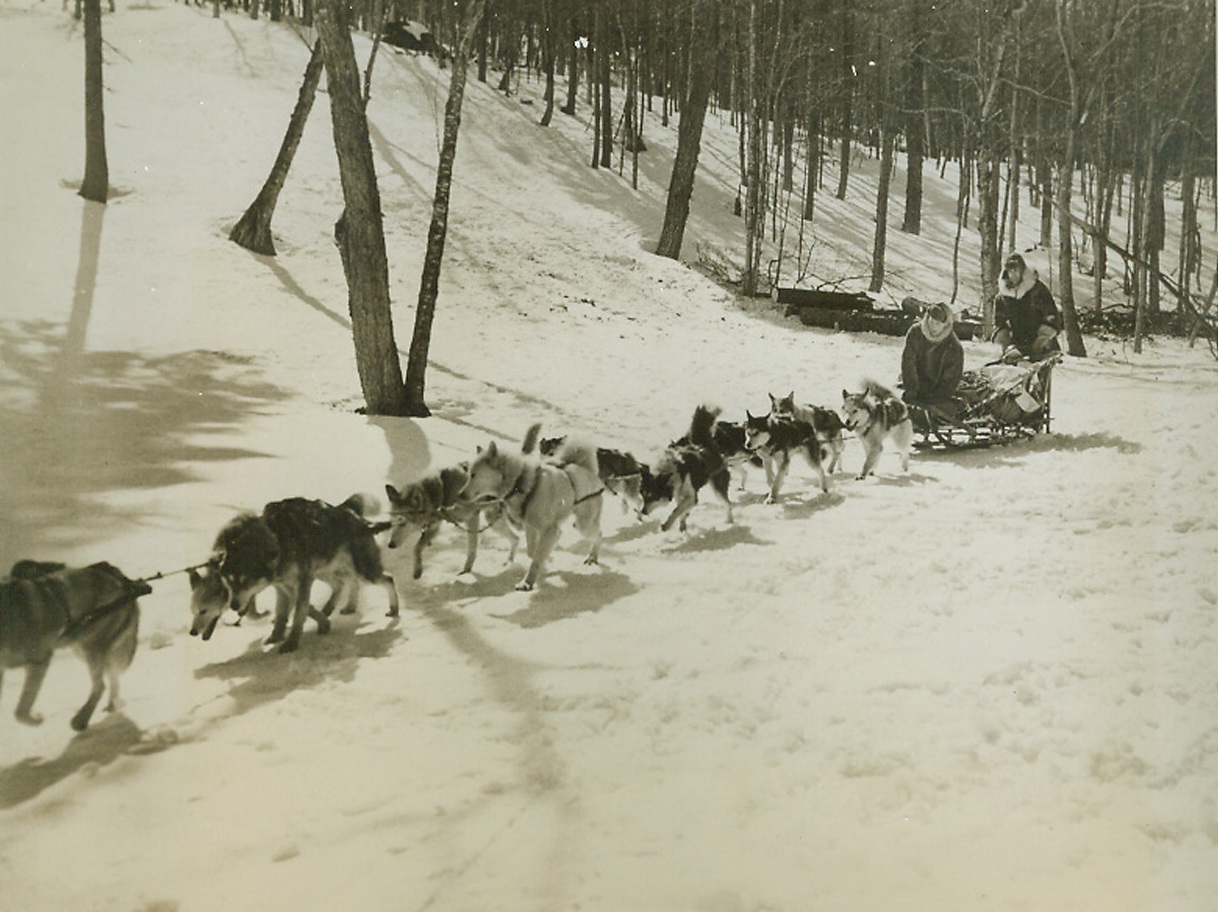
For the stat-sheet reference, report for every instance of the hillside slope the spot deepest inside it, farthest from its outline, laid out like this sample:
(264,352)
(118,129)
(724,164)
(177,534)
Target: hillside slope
(987,683)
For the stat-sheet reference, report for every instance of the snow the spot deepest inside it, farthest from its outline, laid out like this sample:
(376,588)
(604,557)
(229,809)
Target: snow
(986,684)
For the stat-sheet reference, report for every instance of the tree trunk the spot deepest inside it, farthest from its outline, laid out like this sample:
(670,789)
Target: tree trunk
(572,73)
(253,229)
(360,233)
(689,145)
(96,183)
(1065,253)
(847,101)
(812,167)
(548,53)
(915,123)
(987,226)
(429,285)
(1046,204)
(754,217)
(887,142)
(602,32)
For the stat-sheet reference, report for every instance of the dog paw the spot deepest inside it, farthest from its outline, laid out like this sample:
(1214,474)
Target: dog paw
(289,646)
(524,586)
(80,722)
(30,719)
(323,628)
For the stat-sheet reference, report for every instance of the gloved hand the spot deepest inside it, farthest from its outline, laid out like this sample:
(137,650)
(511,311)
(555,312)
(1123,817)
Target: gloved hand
(1011,355)
(1044,338)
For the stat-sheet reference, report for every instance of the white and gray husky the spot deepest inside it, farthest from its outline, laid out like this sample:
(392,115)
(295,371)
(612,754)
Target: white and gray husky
(541,494)
(875,415)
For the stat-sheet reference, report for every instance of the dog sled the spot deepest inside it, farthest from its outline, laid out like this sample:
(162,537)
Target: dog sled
(994,405)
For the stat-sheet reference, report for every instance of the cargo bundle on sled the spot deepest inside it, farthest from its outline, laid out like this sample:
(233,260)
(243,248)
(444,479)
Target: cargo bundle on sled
(996,404)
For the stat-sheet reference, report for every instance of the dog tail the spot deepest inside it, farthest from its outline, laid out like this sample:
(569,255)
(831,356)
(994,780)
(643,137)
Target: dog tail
(701,427)
(876,390)
(362,505)
(530,438)
(575,452)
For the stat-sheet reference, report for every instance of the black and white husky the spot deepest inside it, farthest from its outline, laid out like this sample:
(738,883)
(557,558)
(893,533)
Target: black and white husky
(778,436)
(684,468)
(828,425)
(620,472)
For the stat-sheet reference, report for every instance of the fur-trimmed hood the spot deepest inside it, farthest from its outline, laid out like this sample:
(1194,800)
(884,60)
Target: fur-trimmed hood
(1030,278)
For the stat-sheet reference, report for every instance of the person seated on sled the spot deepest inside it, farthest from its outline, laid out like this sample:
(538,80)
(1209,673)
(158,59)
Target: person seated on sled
(1026,319)
(932,362)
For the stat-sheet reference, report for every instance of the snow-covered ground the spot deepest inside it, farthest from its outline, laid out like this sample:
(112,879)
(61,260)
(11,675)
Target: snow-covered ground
(987,684)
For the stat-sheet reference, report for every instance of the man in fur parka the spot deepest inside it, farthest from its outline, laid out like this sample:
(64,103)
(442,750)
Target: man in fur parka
(1026,319)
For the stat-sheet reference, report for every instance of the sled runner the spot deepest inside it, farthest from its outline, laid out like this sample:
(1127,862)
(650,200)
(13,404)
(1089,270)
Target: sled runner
(996,404)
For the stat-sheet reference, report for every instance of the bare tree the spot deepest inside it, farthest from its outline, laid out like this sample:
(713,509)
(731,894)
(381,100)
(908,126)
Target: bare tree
(253,229)
(360,233)
(429,285)
(96,183)
(689,134)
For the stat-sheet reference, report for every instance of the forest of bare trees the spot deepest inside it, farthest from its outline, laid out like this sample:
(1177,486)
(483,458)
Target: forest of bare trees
(1076,107)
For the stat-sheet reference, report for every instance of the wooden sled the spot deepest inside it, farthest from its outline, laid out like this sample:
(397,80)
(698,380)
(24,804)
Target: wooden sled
(996,405)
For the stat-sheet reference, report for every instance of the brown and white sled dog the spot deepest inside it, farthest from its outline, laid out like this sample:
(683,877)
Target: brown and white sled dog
(541,494)
(684,468)
(421,508)
(289,545)
(47,606)
(778,436)
(876,415)
(827,423)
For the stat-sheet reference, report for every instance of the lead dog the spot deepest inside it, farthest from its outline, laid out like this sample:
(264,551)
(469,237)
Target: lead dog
(93,609)
(287,546)
(875,415)
(540,495)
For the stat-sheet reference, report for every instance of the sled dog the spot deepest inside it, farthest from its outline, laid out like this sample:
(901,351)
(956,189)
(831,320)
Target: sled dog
(540,494)
(828,425)
(873,416)
(422,507)
(620,472)
(684,468)
(289,545)
(776,437)
(47,606)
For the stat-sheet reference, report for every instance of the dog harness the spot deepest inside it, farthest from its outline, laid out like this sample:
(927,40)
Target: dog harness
(528,495)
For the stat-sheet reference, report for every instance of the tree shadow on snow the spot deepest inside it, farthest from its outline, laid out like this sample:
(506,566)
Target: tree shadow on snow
(76,425)
(262,675)
(101,744)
